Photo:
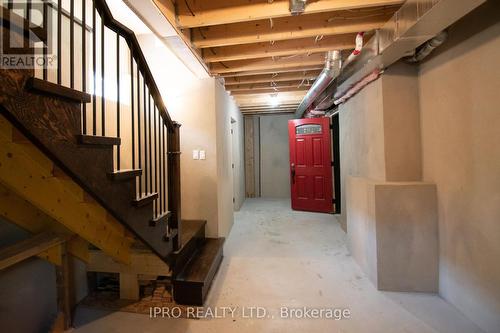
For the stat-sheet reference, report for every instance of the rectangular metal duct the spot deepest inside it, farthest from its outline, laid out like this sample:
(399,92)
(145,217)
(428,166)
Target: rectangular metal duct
(413,24)
(297,7)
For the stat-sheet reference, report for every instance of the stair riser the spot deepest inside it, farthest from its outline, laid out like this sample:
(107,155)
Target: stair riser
(195,293)
(187,253)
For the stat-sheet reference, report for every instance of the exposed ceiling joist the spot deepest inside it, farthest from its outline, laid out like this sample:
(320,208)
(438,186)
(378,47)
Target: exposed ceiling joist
(260,86)
(260,49)
(276,77)
(279,48)
(214,12)
(252,99)
(273,71)
(269,109)
(270,91)
(302,26)
(253,113)
(267,63)
(267,106)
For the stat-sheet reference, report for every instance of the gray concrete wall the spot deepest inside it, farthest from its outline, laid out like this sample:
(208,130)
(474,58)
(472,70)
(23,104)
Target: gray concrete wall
(361,139)
(274,156)
(460,119)
(28,299)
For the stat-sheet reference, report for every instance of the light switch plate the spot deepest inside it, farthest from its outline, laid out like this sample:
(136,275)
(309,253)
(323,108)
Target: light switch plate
(196,154)
(202,155)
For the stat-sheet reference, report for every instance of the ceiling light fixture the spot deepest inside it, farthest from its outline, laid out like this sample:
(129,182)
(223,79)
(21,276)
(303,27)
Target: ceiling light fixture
(273,100)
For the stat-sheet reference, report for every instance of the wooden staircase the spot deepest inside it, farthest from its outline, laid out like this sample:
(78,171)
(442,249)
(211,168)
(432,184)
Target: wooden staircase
(54,118)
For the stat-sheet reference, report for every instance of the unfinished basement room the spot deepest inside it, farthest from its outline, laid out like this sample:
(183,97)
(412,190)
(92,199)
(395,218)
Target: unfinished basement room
(250,166)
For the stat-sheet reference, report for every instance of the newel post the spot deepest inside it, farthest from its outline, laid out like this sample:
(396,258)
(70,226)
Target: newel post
(174,182)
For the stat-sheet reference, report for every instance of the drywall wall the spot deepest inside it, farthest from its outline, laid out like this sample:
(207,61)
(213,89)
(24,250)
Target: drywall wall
(195,110)
(274,156)
(28,298)
(460,119)
(380,130)
(361,139)
(227,112)
(205,112)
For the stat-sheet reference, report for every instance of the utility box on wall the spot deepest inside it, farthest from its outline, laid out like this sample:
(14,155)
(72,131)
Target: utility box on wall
(393,233)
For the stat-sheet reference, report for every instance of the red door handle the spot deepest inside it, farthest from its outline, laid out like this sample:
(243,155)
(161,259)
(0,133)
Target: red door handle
(292,168)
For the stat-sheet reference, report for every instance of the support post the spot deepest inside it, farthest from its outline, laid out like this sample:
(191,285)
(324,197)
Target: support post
(63,287)
(129,286)
(174,183)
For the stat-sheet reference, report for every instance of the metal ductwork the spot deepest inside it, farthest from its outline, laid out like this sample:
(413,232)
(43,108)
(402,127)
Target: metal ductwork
(417,25)
(327,75)
(297,7)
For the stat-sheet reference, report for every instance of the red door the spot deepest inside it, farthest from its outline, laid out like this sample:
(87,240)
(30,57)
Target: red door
(310,164)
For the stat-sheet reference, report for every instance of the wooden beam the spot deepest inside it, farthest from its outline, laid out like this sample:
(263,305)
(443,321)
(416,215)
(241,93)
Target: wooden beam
(249,158)
(216,12)
(269,112)
(33,181)
(268,85)
(20,212)
(284,97)
(141,262)
(267,91)
(277,77)
(267,64)
(315,68)
(267,106)
(279,48)
(28,248)
(303,26)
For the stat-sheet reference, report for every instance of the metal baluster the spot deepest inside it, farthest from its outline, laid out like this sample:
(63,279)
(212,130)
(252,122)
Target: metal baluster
(160,154)
(118,98)
(45,50)
(156,159)
(139,128)
(145,140)
(72,43)
(150,146)
(84,63)
(59,37)
(28,21)
(94,69)
(103,93)
(165,179)
(132,106)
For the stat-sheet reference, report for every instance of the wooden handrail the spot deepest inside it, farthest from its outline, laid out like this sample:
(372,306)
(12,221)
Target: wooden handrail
(136,50)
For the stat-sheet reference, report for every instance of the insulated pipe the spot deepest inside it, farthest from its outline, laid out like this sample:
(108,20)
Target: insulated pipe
(327,75)
(357,49)
(428,47)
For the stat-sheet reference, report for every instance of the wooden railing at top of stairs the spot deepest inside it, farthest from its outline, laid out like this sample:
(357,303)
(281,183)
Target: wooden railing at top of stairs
(128,96)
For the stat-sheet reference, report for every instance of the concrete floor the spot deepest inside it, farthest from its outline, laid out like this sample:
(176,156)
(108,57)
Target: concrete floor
(276,257)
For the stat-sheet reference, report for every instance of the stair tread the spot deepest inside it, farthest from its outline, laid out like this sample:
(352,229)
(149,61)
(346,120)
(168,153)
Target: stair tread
(125,174)
(145,199)
(189,229)
(199,269)
(98,140)
(57,90)
(162,218)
